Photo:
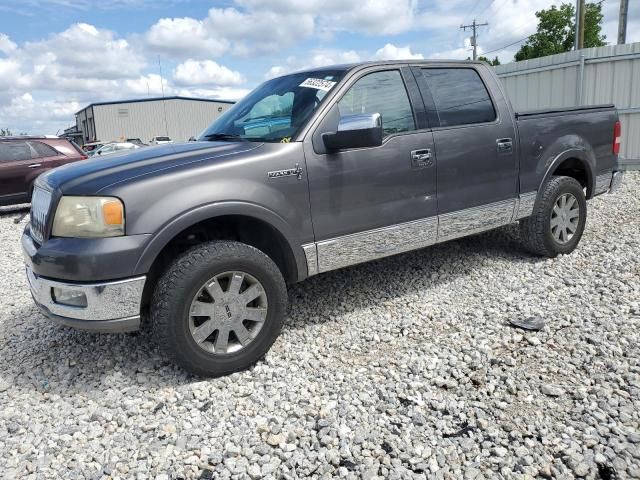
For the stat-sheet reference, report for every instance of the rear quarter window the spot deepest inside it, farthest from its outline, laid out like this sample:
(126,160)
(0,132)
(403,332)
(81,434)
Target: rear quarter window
(460,96)
(41,150)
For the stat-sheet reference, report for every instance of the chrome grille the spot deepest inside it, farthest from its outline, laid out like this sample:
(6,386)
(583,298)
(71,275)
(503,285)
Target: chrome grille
(40,202)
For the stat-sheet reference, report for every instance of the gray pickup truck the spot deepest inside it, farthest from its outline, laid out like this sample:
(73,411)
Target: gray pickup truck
(310,172)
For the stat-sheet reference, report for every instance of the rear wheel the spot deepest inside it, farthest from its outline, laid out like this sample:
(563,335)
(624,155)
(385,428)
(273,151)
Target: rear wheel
(219,308)
(558,219)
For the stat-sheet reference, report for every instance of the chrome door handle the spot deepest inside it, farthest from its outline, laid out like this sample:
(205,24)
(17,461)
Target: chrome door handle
(35,165)
(421,158)
(504,145)
(421,155)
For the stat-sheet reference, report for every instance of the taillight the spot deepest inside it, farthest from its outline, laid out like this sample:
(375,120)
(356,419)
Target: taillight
(83,156)
(617,132)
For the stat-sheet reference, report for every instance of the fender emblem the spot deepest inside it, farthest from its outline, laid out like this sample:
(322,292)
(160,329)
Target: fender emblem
(297,171)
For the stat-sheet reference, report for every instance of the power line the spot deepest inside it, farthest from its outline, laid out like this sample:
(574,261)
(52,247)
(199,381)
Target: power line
(509,45)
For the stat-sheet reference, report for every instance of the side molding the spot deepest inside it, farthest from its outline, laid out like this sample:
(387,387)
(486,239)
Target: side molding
(361,247)
(526,202)
(372,244)
(311,254)
(474,220)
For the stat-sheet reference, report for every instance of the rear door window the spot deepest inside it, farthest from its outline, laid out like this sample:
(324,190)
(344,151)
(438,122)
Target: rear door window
(14,151)
(460,96)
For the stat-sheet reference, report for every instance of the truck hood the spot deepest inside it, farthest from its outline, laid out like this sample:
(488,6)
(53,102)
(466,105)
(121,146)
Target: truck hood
(90,176)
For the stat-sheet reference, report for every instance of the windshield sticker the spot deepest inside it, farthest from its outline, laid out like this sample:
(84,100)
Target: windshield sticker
(318,84)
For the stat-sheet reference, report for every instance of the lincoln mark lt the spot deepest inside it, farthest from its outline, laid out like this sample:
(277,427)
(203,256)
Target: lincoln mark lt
(311,172)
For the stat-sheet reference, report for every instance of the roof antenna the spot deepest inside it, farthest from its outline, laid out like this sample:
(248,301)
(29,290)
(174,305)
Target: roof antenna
(164,105)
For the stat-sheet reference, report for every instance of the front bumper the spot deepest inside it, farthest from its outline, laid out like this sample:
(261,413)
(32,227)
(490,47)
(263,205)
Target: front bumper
(110,306)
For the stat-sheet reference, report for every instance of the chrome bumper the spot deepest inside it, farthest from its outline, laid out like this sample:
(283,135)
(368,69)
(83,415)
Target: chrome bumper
(110,306)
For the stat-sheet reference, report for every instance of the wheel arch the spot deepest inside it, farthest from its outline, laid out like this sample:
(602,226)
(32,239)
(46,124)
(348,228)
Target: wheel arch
(245,222)
(575,163)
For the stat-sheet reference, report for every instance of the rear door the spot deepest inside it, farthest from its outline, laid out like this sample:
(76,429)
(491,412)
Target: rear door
(372,202)
(474,136)
(15,161)
(45,156)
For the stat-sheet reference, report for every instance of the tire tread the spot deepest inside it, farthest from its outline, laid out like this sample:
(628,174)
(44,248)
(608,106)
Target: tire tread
(172,282)
(533,228)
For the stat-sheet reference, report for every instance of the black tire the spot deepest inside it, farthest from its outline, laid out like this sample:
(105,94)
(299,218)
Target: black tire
(536,231)
(180,284)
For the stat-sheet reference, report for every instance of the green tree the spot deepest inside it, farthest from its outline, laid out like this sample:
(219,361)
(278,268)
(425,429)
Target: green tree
(5,132)
(493,62)
(556,31)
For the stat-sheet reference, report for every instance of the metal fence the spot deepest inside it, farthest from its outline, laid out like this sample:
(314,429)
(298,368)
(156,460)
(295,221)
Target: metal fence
(599,75)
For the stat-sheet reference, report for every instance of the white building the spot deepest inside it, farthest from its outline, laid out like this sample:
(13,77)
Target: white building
(176,117)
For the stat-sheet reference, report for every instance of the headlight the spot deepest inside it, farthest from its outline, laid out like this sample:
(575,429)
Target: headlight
(89,217)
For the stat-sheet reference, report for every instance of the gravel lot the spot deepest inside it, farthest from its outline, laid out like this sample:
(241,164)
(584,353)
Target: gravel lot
(402,368)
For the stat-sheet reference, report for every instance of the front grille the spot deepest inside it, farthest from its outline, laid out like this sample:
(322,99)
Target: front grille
(40,202)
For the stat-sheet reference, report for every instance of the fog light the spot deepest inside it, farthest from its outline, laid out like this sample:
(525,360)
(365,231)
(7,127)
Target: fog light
(71,298)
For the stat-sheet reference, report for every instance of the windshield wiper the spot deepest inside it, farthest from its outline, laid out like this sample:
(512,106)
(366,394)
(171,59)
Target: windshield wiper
(225,136)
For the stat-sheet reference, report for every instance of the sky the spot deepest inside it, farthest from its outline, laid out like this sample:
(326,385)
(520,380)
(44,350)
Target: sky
(57,56)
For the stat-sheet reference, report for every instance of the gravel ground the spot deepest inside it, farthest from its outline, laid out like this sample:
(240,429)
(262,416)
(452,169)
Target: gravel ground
(402,368)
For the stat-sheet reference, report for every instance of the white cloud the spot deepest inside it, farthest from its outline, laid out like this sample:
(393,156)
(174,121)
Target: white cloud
(84,51)
(317,58)
(178,37)
(9,72)
(228,30)
(375,17)
(391,52)
(24,110)
(205,72)
(264,31)
(6,45)
(151,84)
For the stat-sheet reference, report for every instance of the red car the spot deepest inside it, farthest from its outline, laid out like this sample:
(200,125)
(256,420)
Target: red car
(23,158)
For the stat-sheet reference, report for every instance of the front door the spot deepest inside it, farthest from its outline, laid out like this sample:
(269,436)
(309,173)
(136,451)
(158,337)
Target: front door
(475,140)
(372,202)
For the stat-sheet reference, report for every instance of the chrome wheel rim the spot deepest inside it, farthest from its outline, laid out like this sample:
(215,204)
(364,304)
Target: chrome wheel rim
(565,217)
(228,312)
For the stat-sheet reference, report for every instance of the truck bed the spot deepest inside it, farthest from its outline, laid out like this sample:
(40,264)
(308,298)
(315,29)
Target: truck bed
(573,132)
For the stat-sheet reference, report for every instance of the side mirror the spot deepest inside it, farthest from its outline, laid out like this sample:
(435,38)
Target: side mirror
(355,131)
(99,153)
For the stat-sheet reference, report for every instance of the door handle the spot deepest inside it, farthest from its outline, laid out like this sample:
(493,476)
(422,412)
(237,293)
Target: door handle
(35,165)
(504,145)
(421,158)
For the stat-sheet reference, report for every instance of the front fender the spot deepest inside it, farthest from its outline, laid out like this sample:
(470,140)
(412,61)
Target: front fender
(218,209)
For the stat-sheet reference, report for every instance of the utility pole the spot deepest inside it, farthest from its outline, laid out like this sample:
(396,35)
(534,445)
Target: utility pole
(164,103)
(622,22)
(576,40)
(474,39)
(583,10)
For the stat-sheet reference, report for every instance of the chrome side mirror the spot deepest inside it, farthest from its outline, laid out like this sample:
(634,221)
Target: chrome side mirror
(355,131)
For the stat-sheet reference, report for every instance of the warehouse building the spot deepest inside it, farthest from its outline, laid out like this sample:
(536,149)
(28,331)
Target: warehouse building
(176,117)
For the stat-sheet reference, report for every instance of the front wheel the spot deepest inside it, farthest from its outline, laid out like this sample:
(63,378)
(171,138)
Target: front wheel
(219,308)
(558,219)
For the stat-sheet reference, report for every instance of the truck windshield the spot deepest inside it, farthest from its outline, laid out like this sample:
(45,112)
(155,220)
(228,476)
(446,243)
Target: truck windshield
(276,110)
